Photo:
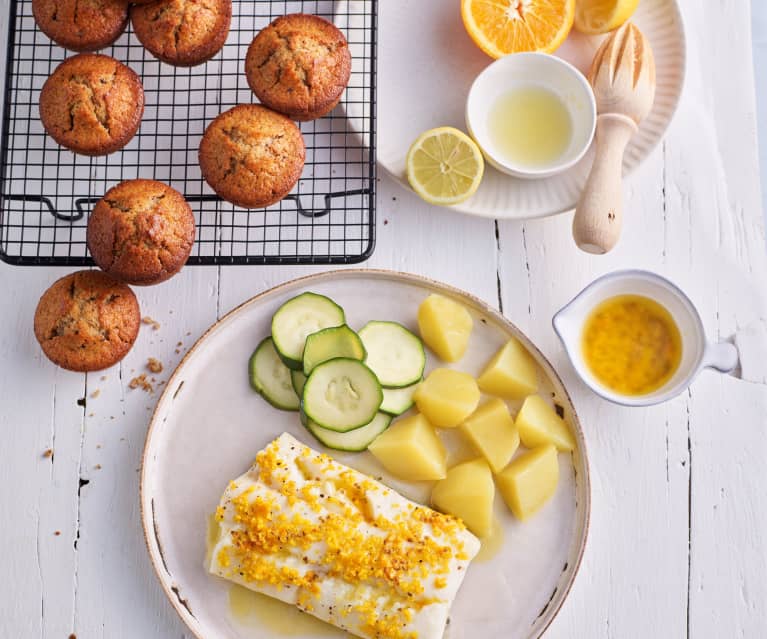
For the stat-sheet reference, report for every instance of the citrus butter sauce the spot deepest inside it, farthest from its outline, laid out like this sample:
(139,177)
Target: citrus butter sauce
(632,345)
(263,613)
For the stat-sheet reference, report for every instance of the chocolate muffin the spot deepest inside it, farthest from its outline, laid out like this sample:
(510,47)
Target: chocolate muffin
(299,65)
(92,104)
(141,232)
(252,156)
(87,321)
(81,25)
(182,32)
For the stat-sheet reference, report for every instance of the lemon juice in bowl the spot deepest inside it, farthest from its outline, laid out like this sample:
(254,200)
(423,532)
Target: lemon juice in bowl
(530,126)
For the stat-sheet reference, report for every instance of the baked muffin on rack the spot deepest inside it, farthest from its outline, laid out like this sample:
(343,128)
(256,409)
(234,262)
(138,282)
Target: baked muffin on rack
(141,232)
(299,65)
(182,32)
(92,104)
(81,25)
(252,156)
(87,321)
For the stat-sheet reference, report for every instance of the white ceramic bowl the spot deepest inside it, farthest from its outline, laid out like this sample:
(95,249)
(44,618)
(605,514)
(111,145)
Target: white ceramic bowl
(697,352)
(532,70)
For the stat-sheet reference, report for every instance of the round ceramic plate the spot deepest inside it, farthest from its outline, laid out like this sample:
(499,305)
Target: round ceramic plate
(427,64)
(209,424)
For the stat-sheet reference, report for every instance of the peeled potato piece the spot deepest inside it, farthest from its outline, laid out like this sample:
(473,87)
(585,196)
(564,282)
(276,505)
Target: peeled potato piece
(445,326)
(491,431)
(411,450)
(511,374)
(530,481)
(447,397)
(539,424)
(468,492)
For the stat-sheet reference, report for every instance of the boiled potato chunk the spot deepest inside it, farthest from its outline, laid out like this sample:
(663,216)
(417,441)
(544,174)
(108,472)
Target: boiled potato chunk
(410,449)
(447,397)
(539,424)
(491,431)
(445,326)
(467,492)
(512,373)
(530,481)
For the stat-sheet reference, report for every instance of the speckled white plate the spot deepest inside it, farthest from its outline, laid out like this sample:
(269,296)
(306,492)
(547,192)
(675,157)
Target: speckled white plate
(427,62)
(209,424)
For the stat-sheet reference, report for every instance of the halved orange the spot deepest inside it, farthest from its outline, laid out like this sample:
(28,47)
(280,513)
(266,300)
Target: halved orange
(501,27)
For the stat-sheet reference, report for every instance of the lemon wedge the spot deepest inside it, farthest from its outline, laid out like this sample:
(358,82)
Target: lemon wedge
(601,16)
(445,166)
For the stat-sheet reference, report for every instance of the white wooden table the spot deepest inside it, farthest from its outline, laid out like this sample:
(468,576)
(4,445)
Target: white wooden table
(678,543)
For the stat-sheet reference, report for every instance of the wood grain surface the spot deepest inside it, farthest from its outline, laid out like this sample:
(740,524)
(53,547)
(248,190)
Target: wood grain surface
(679,522)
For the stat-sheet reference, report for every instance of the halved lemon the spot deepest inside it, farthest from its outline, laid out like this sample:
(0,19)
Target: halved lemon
(445,166)
(501,27)
(600,16)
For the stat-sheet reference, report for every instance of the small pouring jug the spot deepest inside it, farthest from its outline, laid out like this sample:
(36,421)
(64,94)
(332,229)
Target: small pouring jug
(697,352)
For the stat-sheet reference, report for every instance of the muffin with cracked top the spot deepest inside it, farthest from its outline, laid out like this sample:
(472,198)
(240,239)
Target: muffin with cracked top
(183,33)
(87,321)
(252,156)
(81,25)
(92,104)
(141,232)
(299,65)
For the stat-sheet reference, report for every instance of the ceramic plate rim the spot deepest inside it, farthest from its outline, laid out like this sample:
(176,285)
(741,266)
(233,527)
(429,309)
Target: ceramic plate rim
(148,524)
(466,208)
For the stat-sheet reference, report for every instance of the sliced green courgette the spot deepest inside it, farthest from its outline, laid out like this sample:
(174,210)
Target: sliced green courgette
(355,440)
(270,378)
(298,379)
(341,395)
(298,318)
(398,400)
(395,355)
(330,343)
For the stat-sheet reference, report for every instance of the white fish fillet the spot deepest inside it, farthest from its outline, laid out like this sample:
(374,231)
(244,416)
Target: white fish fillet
(316,534)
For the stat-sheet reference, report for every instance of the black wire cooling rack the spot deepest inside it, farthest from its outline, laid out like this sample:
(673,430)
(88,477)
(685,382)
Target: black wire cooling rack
(47,192)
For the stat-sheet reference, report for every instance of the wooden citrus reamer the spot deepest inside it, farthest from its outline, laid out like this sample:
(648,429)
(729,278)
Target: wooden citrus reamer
(623,77)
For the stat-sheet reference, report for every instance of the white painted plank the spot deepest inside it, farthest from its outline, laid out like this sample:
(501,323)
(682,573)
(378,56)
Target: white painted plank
(114,578)
(640,484)
(37,493)
(634,581)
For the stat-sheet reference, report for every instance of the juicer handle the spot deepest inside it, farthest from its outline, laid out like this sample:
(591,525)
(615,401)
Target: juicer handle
(599,215)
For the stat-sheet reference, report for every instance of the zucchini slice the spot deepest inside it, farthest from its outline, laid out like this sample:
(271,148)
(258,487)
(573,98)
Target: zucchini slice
(298,318)
(341,394)
(270,378)
(395,354)
(354,441)
(298,379)
(330,343)
(398,400)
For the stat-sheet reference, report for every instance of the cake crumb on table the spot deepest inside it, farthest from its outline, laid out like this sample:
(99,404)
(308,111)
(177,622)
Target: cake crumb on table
(48,453)
(154,365)
(141,382)
(151,322)
(96,393)
(57,532)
